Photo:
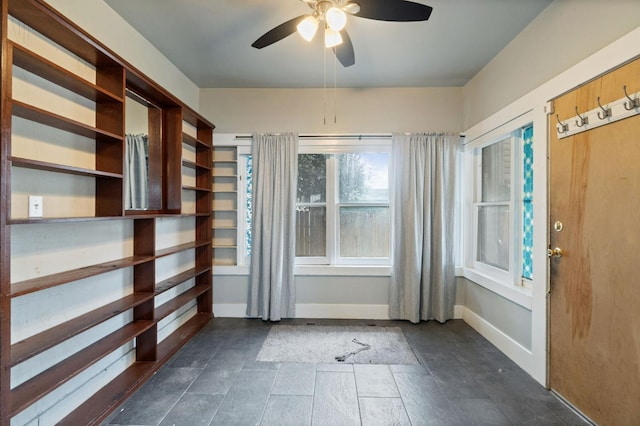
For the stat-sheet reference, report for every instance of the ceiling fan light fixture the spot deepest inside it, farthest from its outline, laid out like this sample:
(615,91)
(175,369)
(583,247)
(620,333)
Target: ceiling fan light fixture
(332,38)
(351,7)
(336,18)
(308,27)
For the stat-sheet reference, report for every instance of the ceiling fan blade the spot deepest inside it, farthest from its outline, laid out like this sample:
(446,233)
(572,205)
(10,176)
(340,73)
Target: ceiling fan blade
(344,51)
(278,33)
(393,10)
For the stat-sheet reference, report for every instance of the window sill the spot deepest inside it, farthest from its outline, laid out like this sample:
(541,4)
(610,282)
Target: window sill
(518,295)
(316,270)
(344,270)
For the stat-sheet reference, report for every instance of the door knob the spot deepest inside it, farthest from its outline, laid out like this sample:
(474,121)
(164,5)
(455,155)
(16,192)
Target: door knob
(556,252)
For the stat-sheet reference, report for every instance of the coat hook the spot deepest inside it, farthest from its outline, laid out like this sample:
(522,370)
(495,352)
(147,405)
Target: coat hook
(633,103)
(562,126)
(582,120)
(606,112)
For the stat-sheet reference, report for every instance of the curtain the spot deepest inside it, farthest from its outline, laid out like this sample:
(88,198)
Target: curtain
(136,172)
(423,272)
(275,170)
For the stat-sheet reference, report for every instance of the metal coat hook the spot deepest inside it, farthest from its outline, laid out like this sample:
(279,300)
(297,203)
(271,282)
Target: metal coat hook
(582,120)
(606,112)
(563,127)
(633,103)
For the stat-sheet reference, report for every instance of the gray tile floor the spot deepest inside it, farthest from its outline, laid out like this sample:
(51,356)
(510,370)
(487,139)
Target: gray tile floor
(462,380)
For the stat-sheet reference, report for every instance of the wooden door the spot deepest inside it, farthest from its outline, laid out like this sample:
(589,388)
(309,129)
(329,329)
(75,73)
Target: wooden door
(594,322)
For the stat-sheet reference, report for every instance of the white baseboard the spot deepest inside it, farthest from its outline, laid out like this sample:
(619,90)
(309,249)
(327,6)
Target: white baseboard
(458,312)
(514,350)
(319,310)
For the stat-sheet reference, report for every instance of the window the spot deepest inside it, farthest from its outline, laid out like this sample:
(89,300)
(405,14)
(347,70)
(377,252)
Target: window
(502,208)
(493,208)
(343,214)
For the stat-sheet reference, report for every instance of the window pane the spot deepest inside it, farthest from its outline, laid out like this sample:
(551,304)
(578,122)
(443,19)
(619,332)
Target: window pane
(493,236)
(312,180)
(364,232)
(311,234)
(496,171)
(364,177)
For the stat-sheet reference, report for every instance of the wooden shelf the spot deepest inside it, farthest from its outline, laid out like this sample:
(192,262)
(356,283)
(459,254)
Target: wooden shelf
(191,141)
(225,227)
(105,141)
(37,387)
(194,188)
(49,338)
(61,168)
(225,176)
(176,303)
(194,165)
(40,283)
(32,62)
(42,116)
(181,247)
(171,282)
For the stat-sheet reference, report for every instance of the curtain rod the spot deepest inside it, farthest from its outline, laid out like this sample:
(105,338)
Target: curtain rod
(345,136)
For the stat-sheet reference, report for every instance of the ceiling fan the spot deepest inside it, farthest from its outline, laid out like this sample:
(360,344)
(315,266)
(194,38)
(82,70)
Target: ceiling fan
(333,15)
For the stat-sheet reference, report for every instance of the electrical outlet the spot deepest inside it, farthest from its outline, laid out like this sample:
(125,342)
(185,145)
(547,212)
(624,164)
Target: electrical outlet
(35,205)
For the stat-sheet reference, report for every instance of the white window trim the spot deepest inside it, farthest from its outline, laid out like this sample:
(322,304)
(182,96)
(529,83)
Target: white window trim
(508,285)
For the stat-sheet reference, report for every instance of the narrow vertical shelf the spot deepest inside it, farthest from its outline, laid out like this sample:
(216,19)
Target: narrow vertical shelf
(225,205)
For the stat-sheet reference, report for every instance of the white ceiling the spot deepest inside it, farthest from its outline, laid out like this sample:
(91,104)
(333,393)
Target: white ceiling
(210,41)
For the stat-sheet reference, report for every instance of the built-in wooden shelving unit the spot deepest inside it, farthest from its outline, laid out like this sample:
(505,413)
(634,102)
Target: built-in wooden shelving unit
(106,135)
(225,205)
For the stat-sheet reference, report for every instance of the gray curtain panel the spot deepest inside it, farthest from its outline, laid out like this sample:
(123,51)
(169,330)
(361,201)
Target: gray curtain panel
(275,170)
(136,172)
(423,272)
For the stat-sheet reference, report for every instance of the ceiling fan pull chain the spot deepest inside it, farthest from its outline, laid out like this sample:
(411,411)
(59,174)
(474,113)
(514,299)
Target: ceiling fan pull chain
(324,90)
(335,84)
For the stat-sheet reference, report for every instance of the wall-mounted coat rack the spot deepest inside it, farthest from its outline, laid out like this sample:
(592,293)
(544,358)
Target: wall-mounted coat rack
(627,106)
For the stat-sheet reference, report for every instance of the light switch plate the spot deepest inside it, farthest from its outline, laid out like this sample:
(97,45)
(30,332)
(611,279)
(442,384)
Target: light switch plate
(35,205)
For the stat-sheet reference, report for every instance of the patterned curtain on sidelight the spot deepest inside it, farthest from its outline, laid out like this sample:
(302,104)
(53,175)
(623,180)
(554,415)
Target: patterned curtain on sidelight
(527,203)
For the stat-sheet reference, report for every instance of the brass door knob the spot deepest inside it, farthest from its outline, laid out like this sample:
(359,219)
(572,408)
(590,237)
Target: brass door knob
(556,252)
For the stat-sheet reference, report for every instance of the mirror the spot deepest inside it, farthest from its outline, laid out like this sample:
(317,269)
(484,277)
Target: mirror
(143,154)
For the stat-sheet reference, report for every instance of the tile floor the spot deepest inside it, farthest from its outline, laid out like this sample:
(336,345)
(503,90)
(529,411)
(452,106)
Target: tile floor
(462,380)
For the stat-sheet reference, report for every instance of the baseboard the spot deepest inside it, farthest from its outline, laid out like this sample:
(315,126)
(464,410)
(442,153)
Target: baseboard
(514,350)
(458,312)
(320,310)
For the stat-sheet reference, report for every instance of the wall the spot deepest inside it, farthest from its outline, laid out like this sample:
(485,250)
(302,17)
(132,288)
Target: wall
(380,110)
(565,33)
(327,296)
(569,43)
(99,20)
